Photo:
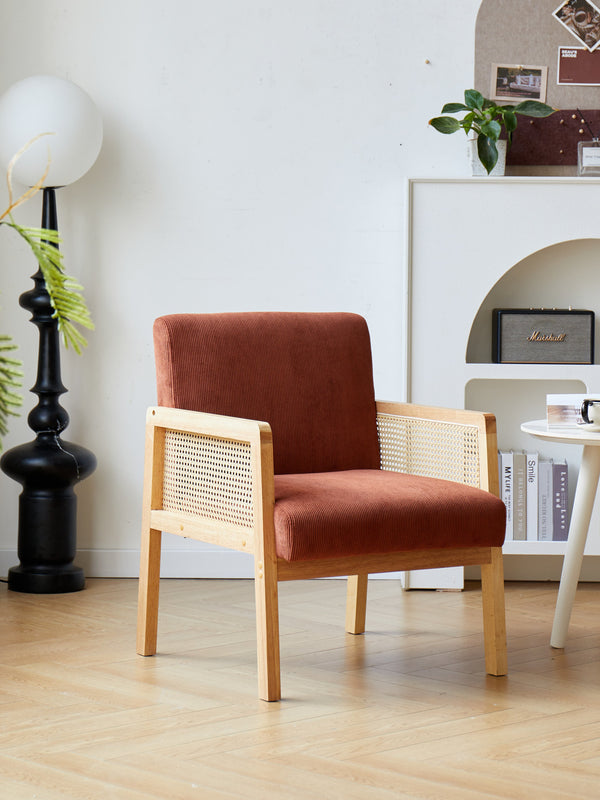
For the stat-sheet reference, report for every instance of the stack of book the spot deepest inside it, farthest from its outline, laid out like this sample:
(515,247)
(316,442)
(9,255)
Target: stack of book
(535,492)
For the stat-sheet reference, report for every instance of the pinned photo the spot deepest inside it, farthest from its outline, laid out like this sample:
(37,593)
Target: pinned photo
(582,19)
(517,82)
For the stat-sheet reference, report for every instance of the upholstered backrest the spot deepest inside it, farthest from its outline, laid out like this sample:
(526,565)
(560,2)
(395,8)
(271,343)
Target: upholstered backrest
(308,375)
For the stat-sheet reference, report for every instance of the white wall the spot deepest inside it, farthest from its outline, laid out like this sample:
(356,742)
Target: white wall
(254,158)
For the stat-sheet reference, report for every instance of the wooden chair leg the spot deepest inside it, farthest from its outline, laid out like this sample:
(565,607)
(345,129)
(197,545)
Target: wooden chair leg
(147,625)
(494,624)
(356,603)
(267,630)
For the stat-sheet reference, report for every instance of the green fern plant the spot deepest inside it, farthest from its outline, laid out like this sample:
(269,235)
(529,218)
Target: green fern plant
(70,308)
(10,382)
(66,296)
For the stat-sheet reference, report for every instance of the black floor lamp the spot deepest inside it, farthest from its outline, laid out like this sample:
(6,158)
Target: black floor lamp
(48,467)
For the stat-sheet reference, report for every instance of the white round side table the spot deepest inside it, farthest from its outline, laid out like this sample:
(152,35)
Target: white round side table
(585,493)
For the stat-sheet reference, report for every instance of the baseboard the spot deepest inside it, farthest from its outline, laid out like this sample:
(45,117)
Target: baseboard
(540,568)
(174,563)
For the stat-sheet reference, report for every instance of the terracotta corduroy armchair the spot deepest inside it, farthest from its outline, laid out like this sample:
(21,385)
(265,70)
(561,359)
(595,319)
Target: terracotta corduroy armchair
(268,439)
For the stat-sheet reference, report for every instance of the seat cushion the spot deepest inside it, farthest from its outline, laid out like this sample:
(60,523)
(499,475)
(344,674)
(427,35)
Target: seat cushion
(309,375)
(358,512)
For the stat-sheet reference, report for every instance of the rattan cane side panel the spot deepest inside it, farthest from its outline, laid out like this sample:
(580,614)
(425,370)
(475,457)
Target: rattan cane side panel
(437,449)
(208,477)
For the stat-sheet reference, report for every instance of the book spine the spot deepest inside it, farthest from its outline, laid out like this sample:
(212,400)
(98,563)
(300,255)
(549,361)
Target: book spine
(519,497)
(544,500)
(560,485)
(532,496)
(506,489)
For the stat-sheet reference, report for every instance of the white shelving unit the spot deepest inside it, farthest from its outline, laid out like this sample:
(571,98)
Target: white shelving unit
(475,244)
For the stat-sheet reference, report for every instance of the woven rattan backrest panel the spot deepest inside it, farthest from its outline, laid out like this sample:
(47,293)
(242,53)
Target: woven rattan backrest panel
(428,447)
(208,477)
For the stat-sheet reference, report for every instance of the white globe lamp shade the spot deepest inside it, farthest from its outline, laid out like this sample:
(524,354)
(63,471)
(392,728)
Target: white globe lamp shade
(44,104)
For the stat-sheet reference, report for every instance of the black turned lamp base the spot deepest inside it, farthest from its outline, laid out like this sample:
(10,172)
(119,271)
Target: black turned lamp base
(47,468)
(56,581)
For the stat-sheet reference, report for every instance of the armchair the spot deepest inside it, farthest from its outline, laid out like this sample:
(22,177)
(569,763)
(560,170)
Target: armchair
(268,439)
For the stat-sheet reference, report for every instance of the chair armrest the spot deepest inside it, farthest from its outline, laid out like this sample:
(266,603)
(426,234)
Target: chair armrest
(207,476)
(453,444)
(234,428)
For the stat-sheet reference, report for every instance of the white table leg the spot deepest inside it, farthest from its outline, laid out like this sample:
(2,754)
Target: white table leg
(585,494)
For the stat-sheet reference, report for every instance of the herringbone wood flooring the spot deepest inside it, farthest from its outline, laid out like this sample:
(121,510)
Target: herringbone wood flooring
(404,711)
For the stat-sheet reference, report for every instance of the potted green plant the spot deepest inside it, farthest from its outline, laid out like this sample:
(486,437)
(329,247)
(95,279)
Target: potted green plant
(70,308)
(485,120)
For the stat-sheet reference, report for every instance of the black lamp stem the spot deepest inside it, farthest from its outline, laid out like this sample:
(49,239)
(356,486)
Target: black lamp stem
(47,467)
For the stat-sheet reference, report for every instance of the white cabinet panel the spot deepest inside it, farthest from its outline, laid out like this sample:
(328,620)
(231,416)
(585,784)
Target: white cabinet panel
(479,243)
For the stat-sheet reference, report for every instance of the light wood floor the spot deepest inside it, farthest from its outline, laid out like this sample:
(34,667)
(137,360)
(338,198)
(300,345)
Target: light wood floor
(404,711)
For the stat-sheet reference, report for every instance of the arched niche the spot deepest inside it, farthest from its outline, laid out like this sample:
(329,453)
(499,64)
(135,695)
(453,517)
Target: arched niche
(558,276)
(525,32)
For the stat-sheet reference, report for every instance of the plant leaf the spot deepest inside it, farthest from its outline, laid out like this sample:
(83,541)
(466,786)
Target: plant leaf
(487,152)
(474,99)
(445,124)
(65,293)
(12,204)
(510,121)
(467,122)
(533,108)
(454,108)
(10,375)
(491,129)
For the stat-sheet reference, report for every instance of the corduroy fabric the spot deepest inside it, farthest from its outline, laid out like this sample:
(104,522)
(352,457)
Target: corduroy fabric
(359,512)
(309,375)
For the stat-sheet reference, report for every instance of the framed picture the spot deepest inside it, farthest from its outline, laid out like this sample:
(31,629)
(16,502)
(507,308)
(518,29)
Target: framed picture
(517,82)
(582,19)
(578,67)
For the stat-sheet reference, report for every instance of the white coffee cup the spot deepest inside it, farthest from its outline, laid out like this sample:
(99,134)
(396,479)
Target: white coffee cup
(590,411)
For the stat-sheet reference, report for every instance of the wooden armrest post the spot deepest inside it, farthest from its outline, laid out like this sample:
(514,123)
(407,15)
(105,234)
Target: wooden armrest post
(265,575)
(149,582)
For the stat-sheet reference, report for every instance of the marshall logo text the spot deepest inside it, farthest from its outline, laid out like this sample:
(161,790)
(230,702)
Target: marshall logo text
(537,336)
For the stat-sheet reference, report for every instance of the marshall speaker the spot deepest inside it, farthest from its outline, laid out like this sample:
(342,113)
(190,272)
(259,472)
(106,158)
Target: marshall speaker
(542,336)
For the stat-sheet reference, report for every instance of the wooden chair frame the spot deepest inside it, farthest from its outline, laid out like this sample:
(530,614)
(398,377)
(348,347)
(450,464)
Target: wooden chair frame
(258,536)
